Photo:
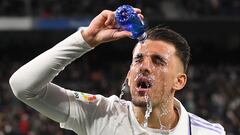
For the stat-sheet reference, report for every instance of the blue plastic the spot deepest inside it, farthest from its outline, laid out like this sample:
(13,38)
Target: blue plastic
(128,20)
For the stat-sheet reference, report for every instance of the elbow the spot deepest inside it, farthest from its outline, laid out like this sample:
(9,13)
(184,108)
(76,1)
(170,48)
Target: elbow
(17,86)
(23,86)
(13,82)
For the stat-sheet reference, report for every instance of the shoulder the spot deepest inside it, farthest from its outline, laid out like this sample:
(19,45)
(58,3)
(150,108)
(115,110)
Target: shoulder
(201,125)
(90,99)
(117,102)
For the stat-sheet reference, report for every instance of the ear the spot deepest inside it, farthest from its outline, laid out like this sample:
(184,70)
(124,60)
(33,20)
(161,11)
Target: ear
(180,81)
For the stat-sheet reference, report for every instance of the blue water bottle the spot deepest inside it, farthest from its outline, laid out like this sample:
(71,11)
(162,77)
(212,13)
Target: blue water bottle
(128,20)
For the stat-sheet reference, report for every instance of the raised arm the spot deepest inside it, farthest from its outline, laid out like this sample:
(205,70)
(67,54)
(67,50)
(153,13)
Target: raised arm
(32,82)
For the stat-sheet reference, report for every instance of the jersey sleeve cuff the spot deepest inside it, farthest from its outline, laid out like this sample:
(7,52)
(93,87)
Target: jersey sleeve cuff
(80,40)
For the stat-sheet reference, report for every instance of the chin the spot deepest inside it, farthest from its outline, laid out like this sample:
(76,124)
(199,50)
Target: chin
(139,102)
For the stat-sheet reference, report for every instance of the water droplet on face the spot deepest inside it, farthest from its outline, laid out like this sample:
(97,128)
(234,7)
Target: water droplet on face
(141,41)
(164,111)
(148,111)
(125,88)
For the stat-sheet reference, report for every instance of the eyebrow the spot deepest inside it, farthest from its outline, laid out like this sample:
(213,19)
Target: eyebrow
(156,55)
(159,56)
(139,55)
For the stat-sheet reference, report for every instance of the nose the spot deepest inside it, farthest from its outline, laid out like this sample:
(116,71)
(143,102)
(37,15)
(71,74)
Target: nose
(146,66)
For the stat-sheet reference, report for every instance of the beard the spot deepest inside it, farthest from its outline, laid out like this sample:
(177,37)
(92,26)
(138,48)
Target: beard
(138,102)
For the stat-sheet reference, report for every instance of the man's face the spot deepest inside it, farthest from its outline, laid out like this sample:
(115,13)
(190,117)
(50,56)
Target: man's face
(154,72)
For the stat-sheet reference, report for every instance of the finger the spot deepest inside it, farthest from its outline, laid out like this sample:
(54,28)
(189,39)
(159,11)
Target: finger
(110,18)
(141,16)
(114,23)
(107,15)
(137,10)
(111,27)
(121,34)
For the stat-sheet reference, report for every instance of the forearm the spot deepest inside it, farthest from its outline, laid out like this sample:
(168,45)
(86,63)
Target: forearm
(31,82)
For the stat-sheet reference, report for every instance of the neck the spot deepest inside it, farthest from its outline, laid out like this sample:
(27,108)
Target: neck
(163,116)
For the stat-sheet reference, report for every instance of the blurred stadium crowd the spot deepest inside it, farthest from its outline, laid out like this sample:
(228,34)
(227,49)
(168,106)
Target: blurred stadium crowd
(165,8)
(212,91)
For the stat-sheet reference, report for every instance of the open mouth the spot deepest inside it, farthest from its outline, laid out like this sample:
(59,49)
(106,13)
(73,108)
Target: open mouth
(143,84)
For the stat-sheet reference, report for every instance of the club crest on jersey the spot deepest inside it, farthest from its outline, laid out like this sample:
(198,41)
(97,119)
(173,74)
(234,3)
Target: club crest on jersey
(85,97)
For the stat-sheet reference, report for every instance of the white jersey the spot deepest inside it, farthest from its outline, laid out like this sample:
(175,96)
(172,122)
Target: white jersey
(83,113)
(98,115)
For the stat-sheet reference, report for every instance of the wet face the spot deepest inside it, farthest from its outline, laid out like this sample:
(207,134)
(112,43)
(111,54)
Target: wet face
(155,71)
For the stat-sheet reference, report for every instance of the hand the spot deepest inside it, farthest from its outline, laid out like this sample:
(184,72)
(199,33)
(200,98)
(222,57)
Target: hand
(103,29)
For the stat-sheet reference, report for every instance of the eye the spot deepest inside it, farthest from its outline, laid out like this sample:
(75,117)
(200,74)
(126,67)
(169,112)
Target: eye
(138,58)
(158,60)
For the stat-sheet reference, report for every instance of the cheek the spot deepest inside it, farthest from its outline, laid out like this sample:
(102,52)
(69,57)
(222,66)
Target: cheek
(131,76)
(161,82)
(161,75)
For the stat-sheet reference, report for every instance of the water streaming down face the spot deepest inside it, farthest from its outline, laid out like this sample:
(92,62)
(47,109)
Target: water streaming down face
(121,94)
(164,111)
(148,111)
(152,65)
(125,88)
(147,97)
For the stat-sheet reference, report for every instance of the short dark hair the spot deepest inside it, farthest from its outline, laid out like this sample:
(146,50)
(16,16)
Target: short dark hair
(171,36)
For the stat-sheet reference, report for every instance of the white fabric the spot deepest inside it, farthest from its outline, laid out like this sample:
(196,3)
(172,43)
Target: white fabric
(83,113)
(105,116)
(32,82)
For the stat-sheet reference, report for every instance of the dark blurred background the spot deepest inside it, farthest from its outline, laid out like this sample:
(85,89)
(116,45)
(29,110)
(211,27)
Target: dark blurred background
(29,27)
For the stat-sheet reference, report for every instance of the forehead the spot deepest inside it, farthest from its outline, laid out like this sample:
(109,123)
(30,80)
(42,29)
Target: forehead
(154,47)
